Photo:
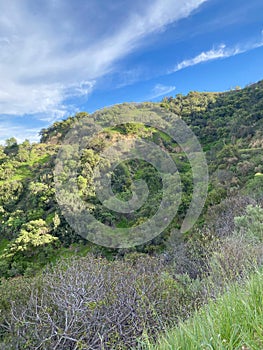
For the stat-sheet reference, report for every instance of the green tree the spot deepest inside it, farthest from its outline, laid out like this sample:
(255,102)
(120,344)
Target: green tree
(11,142)
(34,244)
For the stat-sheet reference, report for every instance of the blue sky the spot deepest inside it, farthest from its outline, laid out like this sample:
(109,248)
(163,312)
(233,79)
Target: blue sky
(58,57)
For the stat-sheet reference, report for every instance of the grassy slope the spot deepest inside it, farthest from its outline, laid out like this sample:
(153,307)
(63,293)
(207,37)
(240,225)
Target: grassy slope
(234,321)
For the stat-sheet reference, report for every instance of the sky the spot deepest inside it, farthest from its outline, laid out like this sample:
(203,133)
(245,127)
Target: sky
(59,57)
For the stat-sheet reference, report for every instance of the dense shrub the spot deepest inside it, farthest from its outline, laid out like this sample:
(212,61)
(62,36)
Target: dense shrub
(91,303)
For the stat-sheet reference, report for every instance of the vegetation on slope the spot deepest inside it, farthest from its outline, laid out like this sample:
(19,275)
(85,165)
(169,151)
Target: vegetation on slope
(229,126)
(92,303)
(130,295)
(233,322)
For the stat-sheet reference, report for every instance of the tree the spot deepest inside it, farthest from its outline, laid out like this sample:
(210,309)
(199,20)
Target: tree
(34,243)
(11,142)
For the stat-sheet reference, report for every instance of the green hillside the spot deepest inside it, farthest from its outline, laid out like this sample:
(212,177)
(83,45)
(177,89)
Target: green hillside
(168,277)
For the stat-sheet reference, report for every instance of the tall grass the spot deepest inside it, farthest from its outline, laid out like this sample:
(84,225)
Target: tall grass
(234,321)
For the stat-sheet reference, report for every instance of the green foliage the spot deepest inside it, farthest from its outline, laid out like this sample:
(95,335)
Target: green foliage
(228,125)
(233,322)
(124,301)
(119,302)
(250,225)
(254,186)
(34,243)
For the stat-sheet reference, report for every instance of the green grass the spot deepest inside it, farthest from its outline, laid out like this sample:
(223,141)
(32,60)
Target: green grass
(234,321)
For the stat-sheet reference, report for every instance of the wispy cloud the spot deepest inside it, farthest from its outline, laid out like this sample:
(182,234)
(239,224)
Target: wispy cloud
(222,51)
(53,51)
(161,90)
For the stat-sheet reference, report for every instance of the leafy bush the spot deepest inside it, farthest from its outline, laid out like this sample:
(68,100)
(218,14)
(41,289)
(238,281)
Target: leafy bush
(32,248)
(250,225)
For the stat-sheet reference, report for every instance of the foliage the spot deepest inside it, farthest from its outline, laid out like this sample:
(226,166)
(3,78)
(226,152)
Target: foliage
(228,125)
(33,244)
(94,303)
(233,322)
(250,225)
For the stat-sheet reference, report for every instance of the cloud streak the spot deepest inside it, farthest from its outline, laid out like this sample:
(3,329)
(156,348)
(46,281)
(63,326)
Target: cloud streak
(161,90)
(53,51)
(222,51)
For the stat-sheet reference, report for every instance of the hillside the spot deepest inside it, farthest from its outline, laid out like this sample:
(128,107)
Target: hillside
(229,126)
(128,294)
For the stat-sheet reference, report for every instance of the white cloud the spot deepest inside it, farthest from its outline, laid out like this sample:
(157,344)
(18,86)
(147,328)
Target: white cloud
(213,54)
(221,51)
(20,132)
(54,50)
(161,90)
